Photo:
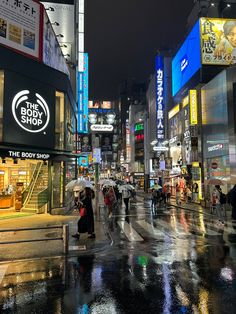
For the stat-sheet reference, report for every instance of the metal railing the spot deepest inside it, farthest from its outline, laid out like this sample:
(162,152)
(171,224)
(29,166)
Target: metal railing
(30,188)
(64,237)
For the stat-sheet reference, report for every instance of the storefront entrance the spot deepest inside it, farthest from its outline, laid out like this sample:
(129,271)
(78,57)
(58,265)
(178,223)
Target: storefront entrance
(23,185)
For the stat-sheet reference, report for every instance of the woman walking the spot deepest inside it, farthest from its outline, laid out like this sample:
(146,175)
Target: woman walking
(86,221)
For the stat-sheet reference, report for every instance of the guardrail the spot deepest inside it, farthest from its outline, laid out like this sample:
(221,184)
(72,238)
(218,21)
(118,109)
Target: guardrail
(64,237)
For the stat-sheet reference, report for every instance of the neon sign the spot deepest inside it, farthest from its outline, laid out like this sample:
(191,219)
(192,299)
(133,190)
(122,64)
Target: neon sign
(160,97)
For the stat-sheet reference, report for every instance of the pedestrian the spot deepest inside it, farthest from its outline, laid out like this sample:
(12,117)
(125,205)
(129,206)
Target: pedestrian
(154,198)
(164,193)
(188,195)
(216,202)
(168,194)
(195,192)
(109,199)
(126,194)
(232,200)
(178,194)
(86,221)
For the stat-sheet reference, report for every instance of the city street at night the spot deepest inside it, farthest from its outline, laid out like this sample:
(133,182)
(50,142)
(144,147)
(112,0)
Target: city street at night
(172,260)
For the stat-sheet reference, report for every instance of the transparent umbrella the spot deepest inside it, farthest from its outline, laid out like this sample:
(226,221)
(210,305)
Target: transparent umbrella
(107,182)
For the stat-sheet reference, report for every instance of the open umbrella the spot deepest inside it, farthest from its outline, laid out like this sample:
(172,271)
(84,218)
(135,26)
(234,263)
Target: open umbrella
(126,187)
(107,182)
(213,181)
(157,187)
(81,184)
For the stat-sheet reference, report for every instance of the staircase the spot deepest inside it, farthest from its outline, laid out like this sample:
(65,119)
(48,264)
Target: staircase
(37,196)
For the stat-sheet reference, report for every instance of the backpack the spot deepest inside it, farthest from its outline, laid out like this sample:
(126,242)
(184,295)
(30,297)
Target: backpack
(222,198)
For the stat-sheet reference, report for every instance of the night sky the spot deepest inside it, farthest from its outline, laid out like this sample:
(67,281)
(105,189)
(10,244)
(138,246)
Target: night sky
(123,36)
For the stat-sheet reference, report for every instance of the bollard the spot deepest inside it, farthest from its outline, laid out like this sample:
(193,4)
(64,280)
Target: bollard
(65,239)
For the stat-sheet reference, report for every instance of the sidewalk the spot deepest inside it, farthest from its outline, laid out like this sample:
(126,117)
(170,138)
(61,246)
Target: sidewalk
(47,248)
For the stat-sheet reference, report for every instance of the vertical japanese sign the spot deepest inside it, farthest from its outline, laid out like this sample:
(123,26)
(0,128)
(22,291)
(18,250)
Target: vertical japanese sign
(159,70)
(20,26)
(85,94)
(193,107)
(80,101)
(128,145)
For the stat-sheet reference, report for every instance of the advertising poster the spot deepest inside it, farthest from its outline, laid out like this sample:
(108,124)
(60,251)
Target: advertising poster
(20,26)
(52,53)
(218,43)
(86,143)
(107,143)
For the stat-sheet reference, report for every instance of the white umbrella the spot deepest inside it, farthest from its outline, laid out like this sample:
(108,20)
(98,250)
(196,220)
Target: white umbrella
(81,184)
(127,187)
(107,182)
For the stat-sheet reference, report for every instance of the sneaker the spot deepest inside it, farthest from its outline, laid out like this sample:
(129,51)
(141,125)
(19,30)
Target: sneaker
(110,215)
(77,236)
(92,236)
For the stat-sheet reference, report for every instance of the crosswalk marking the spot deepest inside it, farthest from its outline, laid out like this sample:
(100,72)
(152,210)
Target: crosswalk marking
(129,231)
(166,225)
(150,228)
(3,269)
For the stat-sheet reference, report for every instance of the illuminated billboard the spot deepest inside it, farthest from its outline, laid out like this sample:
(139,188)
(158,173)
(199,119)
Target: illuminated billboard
(187,61)
(160,105)
(218,41)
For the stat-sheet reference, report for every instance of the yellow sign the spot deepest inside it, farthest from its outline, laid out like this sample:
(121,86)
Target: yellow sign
(218,41)
(173,111)
(193,107)
(185,101)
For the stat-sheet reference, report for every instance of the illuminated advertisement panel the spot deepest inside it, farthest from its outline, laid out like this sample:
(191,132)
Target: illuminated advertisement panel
(85,94)
(160,97)
(187,61)
(20,26)
(193,107)
(80,101)
(218,43)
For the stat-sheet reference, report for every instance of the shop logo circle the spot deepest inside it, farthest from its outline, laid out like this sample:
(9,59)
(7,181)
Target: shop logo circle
(32,116)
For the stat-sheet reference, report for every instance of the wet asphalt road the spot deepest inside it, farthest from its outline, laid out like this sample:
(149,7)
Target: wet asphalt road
(169,261)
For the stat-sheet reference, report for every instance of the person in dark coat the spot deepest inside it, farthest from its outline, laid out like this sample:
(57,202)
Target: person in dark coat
(232,200)
(86,222)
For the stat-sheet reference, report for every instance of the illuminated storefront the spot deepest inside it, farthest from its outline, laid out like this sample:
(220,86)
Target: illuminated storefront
(37,127)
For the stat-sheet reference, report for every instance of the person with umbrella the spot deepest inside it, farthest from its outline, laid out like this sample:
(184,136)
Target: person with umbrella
(126,194)
(216,202)
(84,204)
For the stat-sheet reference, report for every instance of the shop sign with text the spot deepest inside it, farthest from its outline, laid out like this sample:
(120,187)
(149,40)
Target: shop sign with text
(160,97)
(27,155)
(29,110)
(193,107)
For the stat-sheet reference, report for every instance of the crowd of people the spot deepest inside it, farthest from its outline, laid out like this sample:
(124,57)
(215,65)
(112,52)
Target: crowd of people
(112,196)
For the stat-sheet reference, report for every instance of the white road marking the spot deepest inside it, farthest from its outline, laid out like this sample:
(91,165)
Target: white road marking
(150,229)
(77,248)
(167,225)
(130,232)
(3,269)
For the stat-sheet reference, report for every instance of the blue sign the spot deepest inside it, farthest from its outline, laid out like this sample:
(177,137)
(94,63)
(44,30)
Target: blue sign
(160,105)
(187,61)
(80,101)
(83,161)
(85,94)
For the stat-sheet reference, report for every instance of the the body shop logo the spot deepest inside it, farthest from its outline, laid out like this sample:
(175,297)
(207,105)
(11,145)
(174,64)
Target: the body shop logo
(31,113)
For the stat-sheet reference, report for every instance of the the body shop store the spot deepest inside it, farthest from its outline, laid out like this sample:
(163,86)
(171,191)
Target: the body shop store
(27,131)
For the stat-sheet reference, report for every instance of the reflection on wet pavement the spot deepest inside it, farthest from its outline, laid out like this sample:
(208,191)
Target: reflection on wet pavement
(185,263)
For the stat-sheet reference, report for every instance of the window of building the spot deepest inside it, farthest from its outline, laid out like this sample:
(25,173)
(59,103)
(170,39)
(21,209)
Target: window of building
(1,102)
(59,120)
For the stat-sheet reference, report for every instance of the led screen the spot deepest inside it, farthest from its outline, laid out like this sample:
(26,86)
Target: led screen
(187,61)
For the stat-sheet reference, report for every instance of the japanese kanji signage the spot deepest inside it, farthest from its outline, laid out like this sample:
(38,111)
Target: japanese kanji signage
(20,25)
(160,97)
(218,42)
(193,107)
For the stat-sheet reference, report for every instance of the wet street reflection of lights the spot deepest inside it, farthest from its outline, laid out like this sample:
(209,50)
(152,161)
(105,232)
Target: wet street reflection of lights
(203,301)
(182,296)
(227,274)
(201,222)
(167,289)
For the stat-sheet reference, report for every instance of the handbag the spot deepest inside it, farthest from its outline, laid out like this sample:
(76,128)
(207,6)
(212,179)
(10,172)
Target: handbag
(82,212)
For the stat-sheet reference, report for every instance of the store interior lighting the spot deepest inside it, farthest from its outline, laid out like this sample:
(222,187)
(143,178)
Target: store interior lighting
(228,5)
(212,4)
(15,161)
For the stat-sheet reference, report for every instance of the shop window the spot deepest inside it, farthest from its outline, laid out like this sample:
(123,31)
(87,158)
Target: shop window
(57,184)
(60,121)
(70,126)
(1,102)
